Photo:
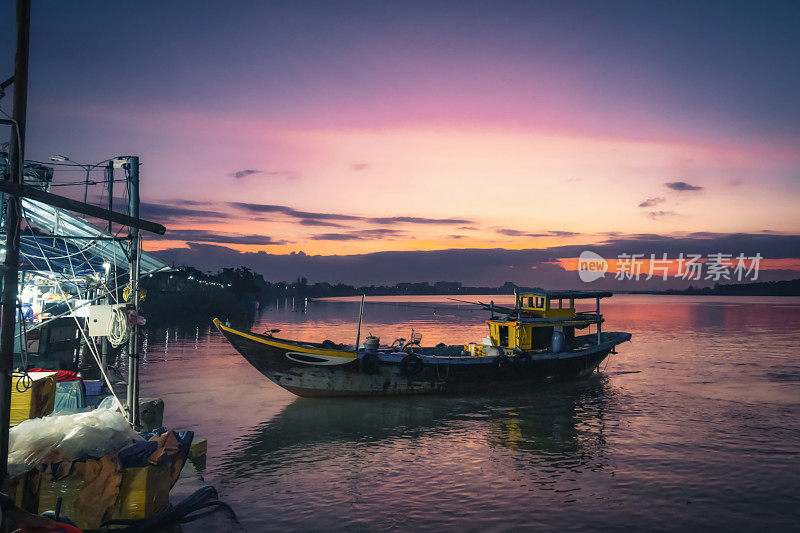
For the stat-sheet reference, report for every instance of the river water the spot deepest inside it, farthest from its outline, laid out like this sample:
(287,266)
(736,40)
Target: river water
(693,425)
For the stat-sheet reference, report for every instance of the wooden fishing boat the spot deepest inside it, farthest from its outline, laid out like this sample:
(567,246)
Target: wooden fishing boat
(531,343)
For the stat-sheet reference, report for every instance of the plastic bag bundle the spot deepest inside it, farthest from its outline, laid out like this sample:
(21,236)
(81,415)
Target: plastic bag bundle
(68,437)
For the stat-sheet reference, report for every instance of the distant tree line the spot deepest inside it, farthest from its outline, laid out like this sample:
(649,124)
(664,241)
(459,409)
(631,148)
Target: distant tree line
(188,294)
(765,288)
(237,293)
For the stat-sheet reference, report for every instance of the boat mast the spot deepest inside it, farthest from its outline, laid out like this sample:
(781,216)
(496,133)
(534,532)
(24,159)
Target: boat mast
(360,318)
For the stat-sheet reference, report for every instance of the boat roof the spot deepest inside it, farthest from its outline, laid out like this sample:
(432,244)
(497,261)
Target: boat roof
(82,240)
(58,240)
(563,294)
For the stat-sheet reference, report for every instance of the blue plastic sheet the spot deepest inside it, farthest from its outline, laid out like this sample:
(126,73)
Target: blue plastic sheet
(137,454)
(70,395)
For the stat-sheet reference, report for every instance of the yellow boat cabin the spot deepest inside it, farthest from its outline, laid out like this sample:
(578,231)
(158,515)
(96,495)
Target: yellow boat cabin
(541,321)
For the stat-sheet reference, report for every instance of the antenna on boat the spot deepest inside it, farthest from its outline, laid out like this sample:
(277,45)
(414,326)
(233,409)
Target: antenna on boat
(360,318)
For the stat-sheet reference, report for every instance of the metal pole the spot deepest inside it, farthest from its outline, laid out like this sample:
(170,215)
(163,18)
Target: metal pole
(600,320)
(69,204)
(110,181)
(360,317)
(86,184)
(104,347)
(135,332)
(133,342)
(16,162)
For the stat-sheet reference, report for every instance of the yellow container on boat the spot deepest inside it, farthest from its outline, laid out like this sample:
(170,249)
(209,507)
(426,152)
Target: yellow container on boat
(139,492)
(24,490)
(144,491)
(32,398)
(67,489)
(198,448)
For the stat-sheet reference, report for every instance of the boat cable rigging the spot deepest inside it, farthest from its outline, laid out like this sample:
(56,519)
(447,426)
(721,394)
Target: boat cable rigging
(25,380)
(88,340)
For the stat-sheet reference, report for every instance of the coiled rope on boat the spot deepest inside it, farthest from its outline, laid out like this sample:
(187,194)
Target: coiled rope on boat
(501,363)
(370,363)
(439,373)
(411,365)
(523,361)
(118,330)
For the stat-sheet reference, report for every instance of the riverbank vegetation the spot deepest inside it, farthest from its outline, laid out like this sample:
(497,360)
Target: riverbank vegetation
(236,294)
(187,294)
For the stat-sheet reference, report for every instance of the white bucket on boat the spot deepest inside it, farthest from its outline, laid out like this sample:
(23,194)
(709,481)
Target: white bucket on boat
(371,343)
(558,342)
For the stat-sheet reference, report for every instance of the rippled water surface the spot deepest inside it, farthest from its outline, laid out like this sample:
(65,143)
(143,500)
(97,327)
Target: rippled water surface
(695,424)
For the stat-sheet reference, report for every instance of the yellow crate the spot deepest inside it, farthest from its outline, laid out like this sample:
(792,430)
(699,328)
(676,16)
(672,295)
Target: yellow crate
(144,491)
(24,490)
(198,448)
(34,401)
(67,489)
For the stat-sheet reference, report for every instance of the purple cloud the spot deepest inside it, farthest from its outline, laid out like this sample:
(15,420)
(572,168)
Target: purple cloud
(652,201)
(682,186)
(244,173)
(661,214)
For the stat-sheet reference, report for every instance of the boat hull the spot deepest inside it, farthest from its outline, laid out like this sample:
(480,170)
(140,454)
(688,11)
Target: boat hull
(314,372)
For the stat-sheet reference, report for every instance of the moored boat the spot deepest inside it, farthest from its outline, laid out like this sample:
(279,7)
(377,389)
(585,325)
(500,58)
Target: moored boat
(533,342)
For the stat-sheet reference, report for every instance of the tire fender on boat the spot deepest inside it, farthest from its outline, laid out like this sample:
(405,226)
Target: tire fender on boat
(523,360)
(370,363)
(501,362)
(411,365)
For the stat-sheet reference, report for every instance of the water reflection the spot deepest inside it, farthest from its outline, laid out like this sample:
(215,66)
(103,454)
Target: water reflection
(560,426)
(565,423)
(693,426)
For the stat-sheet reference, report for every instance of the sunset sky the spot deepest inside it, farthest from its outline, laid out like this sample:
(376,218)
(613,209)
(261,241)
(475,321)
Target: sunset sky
(349,128)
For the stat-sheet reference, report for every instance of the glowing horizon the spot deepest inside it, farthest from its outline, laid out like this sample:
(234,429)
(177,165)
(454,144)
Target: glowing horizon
(536,126)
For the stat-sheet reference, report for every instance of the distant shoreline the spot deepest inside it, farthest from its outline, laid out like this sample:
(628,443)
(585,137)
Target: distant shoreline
(769,288)
(616,292)
(187,294)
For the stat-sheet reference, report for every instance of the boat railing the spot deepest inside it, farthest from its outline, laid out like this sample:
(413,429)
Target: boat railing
(579,317)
